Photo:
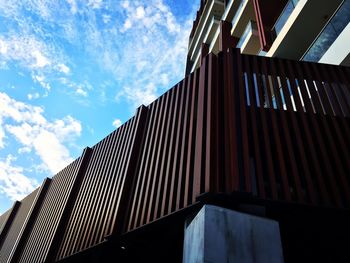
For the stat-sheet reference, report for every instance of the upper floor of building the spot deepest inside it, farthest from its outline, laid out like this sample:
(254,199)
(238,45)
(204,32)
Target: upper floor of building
(309,30)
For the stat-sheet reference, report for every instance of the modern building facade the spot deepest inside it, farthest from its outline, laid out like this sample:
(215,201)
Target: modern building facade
(308,30)
(244,160)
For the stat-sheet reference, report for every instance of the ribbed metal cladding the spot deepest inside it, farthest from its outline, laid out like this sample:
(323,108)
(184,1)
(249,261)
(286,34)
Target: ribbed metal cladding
(273,128)
(287,129)
(3,219)
(181,150)
(164,178)
(40,238)
(100,204)
(9,216)
(29,222)
(16,226)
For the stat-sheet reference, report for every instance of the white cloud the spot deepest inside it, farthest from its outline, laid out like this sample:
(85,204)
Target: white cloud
(24,150)
(106,18)
(3,47)
(56,156)
(95,4)
(151,54)
(127,25)
(34,132)
(73,6)
(32,96)
(63,68)
(2,134)
(153,43)
(140,12)
(125,4)
(81,92)
(13,182)
(27,50)
(117,123)
(41,60)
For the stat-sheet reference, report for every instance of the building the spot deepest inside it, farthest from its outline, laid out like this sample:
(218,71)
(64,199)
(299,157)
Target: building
(308,30)
(246,159)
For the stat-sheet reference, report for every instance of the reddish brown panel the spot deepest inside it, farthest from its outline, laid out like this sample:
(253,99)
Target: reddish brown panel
(266,15)
(191,140)
(184,142)
(102,198)
(8,241)
(154,148)
(204,51)
(226,40)
(50,215)
(177,150)
(230,86)
(288,133)
(140,178)
(256,162)
(245,184)
(282,171)
(266,152)
(162,153)
(200,132)
(170,155)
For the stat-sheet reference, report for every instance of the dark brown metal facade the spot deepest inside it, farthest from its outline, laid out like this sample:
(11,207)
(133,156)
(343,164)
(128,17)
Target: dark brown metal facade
(18,221)
(272,128)
(101,201)
(40,239)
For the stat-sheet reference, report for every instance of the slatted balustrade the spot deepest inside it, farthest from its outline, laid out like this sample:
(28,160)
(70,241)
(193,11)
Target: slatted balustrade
(273,128)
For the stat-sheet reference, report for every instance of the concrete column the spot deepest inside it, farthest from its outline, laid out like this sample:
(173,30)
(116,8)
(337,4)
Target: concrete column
(218,235)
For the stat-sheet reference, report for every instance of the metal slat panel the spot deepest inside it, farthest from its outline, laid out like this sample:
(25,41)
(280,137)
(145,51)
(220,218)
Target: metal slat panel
(49,216)
(184,150)
(159,159)
(154,175)
(175,171)
(74,218)
(212,152)
(254,130)
(188,191)
(28,223)
(169,162)
(280,165)
(200,133)
(288,134)
(130,167)
(15,230)
(7,219)
(98,190)
(271,185)
(88,197)
(102,194)
(232,171)
(138,191)
(147,172)
(164,153)
(301,154)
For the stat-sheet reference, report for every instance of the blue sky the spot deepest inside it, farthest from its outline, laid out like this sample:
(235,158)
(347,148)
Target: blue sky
(71,71)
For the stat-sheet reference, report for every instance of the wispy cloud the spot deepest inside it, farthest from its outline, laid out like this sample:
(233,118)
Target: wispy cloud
(13,183)
(117,52)
(34,132)
(142,44)
(117,123)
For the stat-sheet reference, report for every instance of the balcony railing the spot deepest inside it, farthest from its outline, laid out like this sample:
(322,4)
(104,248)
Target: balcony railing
(329,34)
(281,21)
